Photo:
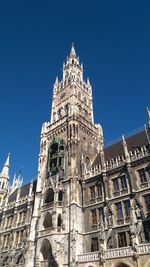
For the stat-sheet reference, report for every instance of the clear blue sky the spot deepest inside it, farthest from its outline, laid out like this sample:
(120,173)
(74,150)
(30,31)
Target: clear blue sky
(112,39)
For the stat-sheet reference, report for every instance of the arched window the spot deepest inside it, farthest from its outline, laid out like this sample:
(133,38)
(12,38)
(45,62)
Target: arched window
(47,223)
(87,162)
(59,221)
(49,196)
(46,251)
(60,195)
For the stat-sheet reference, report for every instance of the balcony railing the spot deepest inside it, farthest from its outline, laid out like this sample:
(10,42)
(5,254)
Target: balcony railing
(115,253)
(86,257)
(44,263)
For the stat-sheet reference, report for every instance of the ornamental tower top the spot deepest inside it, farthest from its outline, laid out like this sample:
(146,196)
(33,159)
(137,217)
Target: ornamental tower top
(72,95)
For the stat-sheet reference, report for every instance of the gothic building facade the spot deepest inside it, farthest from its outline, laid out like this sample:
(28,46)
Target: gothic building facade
(90,204)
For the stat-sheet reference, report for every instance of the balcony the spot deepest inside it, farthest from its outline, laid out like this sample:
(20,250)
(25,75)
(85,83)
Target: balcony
(142,249)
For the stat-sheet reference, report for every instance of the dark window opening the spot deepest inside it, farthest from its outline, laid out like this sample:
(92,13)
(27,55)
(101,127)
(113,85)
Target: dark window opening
(47,221)
(59,222)
(49,196)
(92,191)
(94,244)
(99,190)
(94,216)
(147,201)
(116,185)
(142,176)
(123,182)
(127,207)
(60,196)
(122,241)
(119,211)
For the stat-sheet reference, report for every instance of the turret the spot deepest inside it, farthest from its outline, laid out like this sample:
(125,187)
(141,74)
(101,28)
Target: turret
(4,179)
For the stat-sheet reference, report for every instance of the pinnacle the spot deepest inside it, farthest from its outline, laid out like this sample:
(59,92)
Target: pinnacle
(148,112)
(72,52)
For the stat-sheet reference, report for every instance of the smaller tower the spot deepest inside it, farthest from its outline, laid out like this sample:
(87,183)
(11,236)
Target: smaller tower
(4,179)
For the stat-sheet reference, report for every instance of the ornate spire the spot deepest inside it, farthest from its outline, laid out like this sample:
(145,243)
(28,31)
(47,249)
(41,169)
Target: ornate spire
(72,52)
(5,170)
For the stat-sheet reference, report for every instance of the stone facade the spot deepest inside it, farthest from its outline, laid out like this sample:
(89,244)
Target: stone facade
(90,204)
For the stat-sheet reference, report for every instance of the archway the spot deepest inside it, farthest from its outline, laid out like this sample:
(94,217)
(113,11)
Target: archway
(46,251)
(46,257)
(121,264)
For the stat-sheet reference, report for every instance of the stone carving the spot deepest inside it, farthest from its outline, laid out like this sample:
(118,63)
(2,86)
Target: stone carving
(74,239)
(136,226)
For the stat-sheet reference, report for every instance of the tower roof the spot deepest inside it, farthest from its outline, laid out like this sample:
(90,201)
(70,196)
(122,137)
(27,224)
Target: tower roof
(72,52)
(5,170)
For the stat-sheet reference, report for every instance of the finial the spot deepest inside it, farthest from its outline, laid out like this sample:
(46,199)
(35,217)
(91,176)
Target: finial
(56,81)
(72,52)
(88,81)
(123,139)
(7,160)
(148,112)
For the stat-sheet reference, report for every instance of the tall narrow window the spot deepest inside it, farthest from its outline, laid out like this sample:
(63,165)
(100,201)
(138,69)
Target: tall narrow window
(94,216)
(59,221)
(94,244)
(60,195)
(142,175)
(123,182)
(116,185)
(122,241)
(92,191)
(127,207)
(119,211)
(99,190)
(147,201)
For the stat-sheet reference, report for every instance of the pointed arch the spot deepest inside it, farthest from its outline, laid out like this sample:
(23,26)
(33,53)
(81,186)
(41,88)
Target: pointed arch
(122,264)
(47,223)
(46,251)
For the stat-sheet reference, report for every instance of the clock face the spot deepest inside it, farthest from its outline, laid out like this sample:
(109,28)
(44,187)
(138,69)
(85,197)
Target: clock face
(62,95)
